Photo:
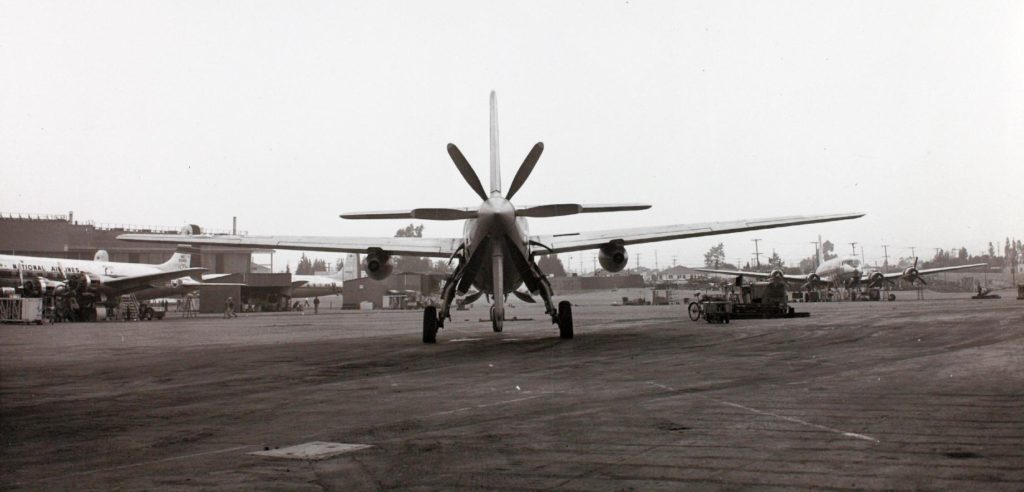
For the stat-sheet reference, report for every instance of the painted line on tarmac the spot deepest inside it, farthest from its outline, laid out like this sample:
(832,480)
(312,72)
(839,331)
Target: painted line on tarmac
(484,405)
(770,414)
(141,463)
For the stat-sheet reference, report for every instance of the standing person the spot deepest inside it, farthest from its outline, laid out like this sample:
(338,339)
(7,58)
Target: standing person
(316,305)
(229,308)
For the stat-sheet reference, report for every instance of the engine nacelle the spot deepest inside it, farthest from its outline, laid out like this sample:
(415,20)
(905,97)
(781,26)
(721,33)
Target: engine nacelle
(875,279)
(83,282)
(613,257)
(777,275)
(378,264)
(910,273)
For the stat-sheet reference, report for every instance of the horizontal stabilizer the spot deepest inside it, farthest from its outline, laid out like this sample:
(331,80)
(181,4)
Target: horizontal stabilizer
(560,209)
(417,213)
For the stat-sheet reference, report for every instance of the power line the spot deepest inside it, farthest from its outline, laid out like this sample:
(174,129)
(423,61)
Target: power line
(757,254)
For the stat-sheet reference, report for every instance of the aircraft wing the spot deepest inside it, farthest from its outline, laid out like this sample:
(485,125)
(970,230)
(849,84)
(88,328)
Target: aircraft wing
(578,241)
(410,246)
(896,275)
(791,278)
(143,281)
(951,268)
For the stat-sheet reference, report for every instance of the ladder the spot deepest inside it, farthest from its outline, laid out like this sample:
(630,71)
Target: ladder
(129,308)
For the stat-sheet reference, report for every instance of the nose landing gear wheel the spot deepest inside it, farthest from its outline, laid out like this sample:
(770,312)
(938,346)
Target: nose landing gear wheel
(430,325)
(565,320)
(497,324)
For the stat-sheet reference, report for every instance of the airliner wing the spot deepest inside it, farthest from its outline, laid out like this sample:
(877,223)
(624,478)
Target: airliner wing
(140,281)
(951,268)
(896,275)
(578,241)
(410,246)
(791,278)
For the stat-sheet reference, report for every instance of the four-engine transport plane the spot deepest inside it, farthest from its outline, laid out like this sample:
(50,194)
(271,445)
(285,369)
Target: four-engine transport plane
(844,271)
(496,252)
(96,281)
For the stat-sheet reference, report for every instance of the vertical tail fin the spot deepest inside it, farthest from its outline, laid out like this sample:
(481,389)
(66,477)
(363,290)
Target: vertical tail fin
(180,260)
(495,164)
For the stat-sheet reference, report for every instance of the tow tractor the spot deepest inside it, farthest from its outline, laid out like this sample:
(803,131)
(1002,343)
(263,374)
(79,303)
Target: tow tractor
(759,300)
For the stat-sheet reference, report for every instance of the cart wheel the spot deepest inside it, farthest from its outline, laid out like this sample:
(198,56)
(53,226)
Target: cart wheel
(694,311)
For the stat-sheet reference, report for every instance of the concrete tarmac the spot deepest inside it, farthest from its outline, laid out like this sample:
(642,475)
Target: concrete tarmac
(905,395)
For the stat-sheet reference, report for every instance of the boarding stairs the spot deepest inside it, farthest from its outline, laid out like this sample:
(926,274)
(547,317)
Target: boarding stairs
(128,309)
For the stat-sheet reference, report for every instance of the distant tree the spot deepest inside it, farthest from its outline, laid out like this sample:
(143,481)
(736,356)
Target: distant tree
(827,249)
(414,264)
(319,265)
(776,261)
(715,256)
(410,230)
(991,249)
(287,268)
(305,266)
(962,255)
(552,265)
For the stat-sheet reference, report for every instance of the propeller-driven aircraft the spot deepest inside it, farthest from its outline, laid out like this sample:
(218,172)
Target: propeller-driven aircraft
(846,272)
(496,251)
(96,280)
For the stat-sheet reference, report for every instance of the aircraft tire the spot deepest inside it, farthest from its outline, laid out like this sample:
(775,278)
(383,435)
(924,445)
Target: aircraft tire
(430,325)
(496,324)
(565,320)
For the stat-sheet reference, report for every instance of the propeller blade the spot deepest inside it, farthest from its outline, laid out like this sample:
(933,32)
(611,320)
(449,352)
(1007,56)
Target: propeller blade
(921,279)
(524,296)
(525,169)
(470,299)
(466,170)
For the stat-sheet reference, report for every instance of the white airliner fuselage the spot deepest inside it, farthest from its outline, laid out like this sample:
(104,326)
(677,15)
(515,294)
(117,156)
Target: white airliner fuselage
(38,275)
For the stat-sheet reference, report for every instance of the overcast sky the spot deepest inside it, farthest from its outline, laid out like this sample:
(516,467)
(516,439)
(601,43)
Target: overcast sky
(286,114)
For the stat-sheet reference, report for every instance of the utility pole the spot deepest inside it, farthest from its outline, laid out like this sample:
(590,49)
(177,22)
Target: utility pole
(595,265)
(757,254)
(674,260)
(854,246)
(913,252)
(885,265)
(814,257)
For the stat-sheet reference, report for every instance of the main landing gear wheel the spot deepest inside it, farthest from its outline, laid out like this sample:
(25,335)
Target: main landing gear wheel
(565,320)
(497,324)
(430,325)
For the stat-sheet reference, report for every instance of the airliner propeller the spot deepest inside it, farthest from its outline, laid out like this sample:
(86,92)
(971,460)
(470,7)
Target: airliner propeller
(913,275)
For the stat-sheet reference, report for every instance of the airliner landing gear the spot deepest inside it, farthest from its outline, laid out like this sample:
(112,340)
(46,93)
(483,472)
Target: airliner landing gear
(565,320)
(497,320)
(430,325)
